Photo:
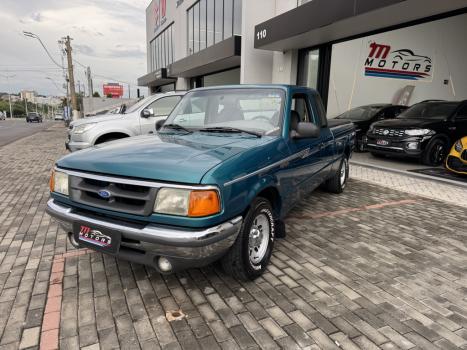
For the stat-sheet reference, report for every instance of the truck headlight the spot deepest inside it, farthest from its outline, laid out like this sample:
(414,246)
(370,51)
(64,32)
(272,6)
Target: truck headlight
(458,146)
(59,182)
(181,202)
(80,129)
(417,132)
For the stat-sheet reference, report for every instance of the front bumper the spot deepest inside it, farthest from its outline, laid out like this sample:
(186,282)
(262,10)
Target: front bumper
(456,164)
(406,147)
(76,146)
(145,244)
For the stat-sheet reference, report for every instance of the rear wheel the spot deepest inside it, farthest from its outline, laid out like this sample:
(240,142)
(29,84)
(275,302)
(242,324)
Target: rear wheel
(435,153)
(248,258)
(337,183)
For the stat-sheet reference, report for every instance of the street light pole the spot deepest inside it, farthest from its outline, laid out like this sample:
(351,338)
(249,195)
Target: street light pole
(9,92)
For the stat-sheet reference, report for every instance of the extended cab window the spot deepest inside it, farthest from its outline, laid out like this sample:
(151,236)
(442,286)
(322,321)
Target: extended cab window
(164,105)
(301,108)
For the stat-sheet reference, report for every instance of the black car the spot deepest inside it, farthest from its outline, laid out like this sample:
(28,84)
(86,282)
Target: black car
(33,117)
(364,116)
(425,131)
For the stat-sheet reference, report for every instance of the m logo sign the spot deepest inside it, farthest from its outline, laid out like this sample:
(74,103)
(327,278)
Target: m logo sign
(384,62)
(160,11)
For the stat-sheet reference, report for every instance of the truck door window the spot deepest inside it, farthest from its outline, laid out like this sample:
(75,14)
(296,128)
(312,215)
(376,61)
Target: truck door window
(164,105)
(300,105)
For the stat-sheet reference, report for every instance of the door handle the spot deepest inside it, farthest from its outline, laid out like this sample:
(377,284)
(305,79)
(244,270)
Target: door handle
(321,146)
(452,128)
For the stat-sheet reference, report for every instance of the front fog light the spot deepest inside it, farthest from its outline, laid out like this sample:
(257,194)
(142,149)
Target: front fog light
(164,264)
(59,182)
(412,145)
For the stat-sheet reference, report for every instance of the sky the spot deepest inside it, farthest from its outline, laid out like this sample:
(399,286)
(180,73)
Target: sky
(108,35)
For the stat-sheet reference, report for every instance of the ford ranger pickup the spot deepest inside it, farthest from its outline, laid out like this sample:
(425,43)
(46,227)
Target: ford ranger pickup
(215,182)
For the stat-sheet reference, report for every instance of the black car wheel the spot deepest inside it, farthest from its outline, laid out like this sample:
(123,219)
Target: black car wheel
(249,256)
(435,153)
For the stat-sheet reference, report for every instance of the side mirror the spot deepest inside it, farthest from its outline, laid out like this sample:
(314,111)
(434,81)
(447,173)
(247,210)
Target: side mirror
(306,130)
(147,112)
(160,123)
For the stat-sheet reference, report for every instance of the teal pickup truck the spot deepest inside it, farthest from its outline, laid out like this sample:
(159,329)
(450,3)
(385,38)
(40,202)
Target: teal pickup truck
(215,182)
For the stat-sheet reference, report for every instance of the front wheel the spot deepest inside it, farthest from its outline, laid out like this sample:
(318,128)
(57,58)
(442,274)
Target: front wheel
(248,258)
(337,183)
(435,153)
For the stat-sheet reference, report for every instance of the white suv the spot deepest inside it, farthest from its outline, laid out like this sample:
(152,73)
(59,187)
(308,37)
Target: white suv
(139,119)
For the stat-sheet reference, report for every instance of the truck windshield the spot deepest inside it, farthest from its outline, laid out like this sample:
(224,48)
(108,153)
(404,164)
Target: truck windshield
(138,104)
(257,111)
(430,110)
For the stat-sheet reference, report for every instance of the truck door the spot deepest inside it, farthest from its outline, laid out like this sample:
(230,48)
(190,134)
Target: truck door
(305,164)
(158,109)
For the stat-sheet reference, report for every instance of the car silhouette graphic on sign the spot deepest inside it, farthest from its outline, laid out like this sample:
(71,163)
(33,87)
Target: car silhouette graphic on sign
(96,237)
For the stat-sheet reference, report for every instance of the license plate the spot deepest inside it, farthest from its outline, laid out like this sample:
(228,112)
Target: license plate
(382,142)
(96,237)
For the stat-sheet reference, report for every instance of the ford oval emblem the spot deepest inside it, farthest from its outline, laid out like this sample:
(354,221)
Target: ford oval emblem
(104,194)
(386,132)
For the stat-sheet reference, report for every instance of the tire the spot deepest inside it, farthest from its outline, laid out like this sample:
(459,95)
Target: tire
(242,261)
(435,153)
(337,183)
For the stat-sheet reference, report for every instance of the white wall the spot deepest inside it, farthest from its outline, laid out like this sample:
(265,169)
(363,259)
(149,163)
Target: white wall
(443,40)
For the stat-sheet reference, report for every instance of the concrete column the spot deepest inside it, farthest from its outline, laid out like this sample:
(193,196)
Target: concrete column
(285,65)
(256,65)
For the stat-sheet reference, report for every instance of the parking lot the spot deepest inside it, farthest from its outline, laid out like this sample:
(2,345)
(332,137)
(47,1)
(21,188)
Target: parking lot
(371,268)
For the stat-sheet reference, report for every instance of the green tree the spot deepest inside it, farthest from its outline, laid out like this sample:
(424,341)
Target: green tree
(109,96)
(96,94)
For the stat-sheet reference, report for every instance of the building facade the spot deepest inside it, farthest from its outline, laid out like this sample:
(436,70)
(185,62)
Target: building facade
(354,52)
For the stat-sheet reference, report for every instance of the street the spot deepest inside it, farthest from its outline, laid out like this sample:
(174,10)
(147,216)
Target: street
(11,130)
(371,268)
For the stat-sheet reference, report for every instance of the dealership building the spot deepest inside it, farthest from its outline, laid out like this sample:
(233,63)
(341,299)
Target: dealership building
(354,52)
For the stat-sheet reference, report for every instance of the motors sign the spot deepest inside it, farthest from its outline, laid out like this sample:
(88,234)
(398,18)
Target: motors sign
(385,62)
(160,13)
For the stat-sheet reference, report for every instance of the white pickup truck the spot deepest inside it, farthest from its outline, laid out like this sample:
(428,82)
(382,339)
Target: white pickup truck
(139,119)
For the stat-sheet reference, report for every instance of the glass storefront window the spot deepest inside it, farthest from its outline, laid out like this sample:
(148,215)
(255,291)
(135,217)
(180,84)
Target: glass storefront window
(196,28)
(190,31)
(210,22)
(228,18)
(218,21)
(312,69)
(202,24)
(237,17)
(161,50)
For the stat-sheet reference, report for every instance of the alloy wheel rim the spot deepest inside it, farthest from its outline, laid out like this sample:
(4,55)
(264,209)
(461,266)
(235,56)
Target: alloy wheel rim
(343,173)
(258,239)
(439,154)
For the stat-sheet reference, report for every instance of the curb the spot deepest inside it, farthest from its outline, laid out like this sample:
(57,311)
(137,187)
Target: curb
(409,174)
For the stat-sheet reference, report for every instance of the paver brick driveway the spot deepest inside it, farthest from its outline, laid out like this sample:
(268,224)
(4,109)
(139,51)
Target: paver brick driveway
(372,268)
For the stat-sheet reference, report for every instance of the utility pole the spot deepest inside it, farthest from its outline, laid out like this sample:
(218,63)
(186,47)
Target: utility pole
(74,101)
(26,104)
(88,75)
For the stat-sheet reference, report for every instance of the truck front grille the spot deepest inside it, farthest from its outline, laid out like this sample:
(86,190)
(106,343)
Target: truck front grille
(132,199)
(389,132)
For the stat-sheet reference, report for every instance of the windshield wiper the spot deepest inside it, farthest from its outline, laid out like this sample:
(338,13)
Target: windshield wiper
(230,129)
(177,127)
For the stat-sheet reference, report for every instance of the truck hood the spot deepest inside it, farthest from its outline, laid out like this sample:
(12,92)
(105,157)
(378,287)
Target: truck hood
(401,123)
(97,119)
(171,158)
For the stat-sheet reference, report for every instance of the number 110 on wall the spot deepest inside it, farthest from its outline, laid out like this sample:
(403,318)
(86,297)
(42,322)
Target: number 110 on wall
(261,34)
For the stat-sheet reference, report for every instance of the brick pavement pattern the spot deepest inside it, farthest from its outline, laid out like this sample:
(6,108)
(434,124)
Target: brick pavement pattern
(372,268)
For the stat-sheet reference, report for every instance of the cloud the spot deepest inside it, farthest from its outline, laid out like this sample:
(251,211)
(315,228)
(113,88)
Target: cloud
(36,17)
(108,35)
(84,50)
(127,51)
